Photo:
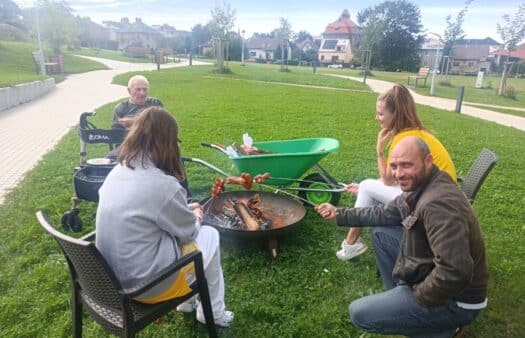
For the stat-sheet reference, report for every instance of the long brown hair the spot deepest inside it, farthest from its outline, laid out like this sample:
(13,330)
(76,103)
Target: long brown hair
(400,102)
(153,137)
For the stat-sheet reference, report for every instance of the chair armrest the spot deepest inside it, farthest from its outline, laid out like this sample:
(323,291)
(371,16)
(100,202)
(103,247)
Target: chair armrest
(89,237)
(195,256)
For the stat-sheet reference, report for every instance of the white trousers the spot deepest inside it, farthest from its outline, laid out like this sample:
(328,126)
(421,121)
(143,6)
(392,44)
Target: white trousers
(372,192)
(208,242)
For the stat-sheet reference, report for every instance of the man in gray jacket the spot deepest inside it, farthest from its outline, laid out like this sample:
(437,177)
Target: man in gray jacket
(429,250)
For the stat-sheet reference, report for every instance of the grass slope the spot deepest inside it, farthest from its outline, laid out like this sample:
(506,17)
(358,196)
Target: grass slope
(17,65)
(306,290)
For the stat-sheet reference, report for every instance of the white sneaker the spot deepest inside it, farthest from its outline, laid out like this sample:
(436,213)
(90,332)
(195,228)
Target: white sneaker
(188,306)
(224,321)
(349,251)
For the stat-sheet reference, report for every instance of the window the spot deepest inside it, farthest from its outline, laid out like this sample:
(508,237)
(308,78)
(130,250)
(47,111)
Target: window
(253,53)
(329,44)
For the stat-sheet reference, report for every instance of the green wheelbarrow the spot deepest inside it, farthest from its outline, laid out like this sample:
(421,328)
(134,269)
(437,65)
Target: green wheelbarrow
(287,161)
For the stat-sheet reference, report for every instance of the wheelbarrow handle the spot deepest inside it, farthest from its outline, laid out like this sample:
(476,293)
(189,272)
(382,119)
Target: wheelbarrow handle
(219,147)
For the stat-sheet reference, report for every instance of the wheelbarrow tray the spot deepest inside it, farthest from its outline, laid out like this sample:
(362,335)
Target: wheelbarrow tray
(288,160)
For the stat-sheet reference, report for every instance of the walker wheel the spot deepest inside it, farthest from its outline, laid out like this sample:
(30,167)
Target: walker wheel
(71,220)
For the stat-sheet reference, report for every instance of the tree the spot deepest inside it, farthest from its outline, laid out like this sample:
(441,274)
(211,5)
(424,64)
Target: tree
(11,22)
(223,20)
(91,34)
(303,35)
(284,33)
(58,26)
(392,30)
(200,36)
(512,32)
(454,30)
(11,14)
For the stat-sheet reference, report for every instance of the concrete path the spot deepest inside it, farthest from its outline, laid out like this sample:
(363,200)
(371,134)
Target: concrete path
(379,86)
(29,131)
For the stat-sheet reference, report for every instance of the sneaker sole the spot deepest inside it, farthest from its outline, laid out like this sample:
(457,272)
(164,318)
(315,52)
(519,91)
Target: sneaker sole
(359,252)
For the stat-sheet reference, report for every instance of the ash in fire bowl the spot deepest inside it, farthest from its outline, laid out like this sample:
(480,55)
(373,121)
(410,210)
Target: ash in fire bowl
(249,211)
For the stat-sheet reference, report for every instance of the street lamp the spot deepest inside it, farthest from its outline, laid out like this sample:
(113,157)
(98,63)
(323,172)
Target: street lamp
(436,65)
(242,47)
(40,49)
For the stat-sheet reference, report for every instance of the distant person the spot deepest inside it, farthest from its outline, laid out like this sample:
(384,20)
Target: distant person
(398,118)
(126,111)
(429,250)
(144,222)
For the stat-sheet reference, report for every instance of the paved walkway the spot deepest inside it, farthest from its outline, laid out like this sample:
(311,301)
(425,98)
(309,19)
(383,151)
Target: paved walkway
(379,86)
(29,131)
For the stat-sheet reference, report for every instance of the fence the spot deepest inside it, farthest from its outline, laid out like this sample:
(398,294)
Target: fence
(22,93)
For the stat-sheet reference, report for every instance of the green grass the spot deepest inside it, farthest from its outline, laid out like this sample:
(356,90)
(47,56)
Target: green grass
(17,65)
(520,113)
(306,290)
(111,54)
(485,95)
(74,64)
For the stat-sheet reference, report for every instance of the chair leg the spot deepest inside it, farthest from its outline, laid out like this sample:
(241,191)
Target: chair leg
(76,312)
(206,307)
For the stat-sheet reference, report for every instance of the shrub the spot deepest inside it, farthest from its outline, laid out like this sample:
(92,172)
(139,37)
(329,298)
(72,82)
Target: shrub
(511,92)
(489,84)
(445,83)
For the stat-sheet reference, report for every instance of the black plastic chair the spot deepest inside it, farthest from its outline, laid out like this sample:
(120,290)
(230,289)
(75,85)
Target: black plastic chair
(477,173)
(95,287)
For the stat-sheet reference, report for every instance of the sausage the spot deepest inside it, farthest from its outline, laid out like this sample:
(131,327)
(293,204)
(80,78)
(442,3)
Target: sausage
(261,177)
(235,180)
(247,180)
(217,187)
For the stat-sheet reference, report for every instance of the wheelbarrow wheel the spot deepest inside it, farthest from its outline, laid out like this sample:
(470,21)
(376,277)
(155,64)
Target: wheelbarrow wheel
(316,181)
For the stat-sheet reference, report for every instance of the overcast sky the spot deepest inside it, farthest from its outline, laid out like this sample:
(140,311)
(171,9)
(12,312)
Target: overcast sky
(312,16)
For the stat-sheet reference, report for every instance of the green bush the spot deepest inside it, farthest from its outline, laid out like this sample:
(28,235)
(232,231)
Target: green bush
(511,92)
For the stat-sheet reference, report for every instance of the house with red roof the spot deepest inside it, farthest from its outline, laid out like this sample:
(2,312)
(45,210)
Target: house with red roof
(516,55)
(338,40)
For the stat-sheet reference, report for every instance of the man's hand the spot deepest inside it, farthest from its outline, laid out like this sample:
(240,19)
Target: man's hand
(326,210)
(126,121)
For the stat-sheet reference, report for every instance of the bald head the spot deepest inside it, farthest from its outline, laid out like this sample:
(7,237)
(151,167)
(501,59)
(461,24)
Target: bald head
(138,89)
(410,162)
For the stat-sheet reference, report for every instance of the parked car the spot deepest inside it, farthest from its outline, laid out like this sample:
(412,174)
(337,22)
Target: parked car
(335,65)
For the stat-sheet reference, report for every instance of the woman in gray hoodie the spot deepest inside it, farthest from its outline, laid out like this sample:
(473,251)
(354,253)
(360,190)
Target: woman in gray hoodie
(144,222)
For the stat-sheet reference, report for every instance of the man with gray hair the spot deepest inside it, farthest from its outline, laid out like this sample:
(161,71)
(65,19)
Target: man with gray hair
(429,250)
(126,111)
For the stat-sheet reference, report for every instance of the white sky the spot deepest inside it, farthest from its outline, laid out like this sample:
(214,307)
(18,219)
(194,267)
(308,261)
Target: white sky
(312,16)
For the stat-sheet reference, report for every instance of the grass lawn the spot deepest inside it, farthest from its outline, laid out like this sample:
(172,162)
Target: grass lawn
(111,54)
(17,65)
(485,95)
(306,290)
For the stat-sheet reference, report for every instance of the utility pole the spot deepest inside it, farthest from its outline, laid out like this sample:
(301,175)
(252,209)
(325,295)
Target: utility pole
(242,47)
(40,49)
(436,64)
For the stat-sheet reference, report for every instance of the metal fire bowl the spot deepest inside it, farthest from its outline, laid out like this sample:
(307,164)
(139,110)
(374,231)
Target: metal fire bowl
(284,212)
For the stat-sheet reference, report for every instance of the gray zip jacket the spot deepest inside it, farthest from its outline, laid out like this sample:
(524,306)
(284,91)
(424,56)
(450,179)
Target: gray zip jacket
(142,219)
(442,254)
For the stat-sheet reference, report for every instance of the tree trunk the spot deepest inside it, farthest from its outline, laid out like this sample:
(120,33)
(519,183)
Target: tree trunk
(282,58)
(503,83)
(220,56)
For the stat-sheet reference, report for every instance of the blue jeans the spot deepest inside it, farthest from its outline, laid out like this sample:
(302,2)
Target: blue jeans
(396,311)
